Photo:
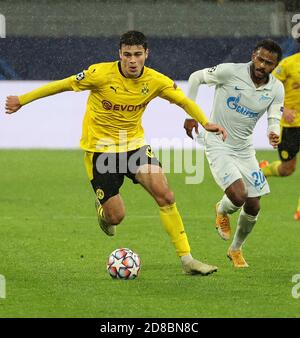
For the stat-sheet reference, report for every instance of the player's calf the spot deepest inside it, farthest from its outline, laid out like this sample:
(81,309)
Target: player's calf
(107,228)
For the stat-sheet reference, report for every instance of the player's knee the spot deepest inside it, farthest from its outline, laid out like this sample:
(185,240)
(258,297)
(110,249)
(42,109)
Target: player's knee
(169,197)
(238,199)
(287,170)
(165,198)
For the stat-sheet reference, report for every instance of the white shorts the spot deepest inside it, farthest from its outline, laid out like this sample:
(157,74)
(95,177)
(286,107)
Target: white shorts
(227,167)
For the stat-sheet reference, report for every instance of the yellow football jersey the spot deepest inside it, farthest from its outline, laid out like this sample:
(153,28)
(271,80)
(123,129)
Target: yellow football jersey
(112,121)
(288,71)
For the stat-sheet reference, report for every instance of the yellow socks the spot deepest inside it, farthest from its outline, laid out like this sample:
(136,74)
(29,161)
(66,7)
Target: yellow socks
(298,207)
(172,222)
(272,169)
(100,212)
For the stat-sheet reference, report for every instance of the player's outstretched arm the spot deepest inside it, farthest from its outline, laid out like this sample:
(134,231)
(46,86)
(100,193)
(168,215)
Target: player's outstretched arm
(174,95)
(14,103)
(274,115)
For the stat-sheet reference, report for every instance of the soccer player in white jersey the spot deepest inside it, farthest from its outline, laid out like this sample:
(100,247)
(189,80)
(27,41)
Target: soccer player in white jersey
(243,93)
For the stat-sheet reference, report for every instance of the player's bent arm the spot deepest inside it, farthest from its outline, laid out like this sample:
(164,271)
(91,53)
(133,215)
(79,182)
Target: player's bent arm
(274,116)
(274,111)
(176,95)
(273,126)
(273,130)
(195,80)
(216,75)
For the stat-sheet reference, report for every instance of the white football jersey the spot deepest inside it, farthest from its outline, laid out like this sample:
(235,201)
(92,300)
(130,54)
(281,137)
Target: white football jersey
(238,104)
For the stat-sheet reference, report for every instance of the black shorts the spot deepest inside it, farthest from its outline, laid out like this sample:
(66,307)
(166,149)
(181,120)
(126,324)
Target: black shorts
(290,143)
(107,170)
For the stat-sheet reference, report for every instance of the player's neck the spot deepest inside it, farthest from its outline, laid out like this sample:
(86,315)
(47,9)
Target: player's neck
(257,81)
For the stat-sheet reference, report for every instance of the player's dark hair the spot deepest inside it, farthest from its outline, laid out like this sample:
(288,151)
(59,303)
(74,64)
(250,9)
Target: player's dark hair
(133,38)
(271,46)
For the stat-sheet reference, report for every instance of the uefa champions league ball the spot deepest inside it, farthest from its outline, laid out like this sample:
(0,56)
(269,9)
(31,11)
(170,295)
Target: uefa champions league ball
(123,264)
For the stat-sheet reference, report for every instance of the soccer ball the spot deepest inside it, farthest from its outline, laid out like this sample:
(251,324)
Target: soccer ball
(123,264)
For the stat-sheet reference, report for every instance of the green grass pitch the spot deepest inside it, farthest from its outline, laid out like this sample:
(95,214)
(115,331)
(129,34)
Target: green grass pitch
(53,255)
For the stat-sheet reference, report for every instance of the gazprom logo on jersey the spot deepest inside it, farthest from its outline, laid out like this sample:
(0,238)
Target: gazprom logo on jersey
(233,103)
(107,105)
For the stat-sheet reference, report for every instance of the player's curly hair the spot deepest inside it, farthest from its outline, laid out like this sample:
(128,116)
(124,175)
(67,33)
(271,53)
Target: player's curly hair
(271,46)
(132,38)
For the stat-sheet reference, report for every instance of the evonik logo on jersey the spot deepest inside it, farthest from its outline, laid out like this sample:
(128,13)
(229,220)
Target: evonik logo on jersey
(107,105)
(233,104)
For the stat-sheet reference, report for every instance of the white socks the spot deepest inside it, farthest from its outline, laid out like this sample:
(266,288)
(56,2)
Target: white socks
(245,225)
(226,206)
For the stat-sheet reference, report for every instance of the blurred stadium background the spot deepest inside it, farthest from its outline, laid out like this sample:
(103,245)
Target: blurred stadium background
(48,40)
(52,254)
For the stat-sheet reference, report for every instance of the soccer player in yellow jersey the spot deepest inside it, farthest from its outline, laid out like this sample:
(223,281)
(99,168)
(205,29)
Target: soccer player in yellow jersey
(113,137)
(288,71)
